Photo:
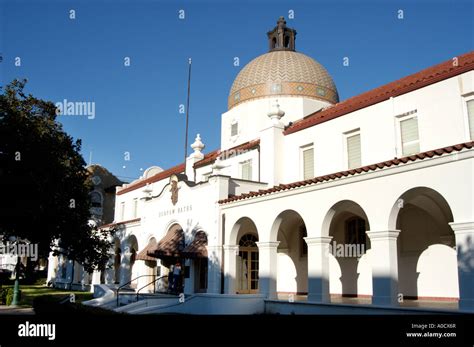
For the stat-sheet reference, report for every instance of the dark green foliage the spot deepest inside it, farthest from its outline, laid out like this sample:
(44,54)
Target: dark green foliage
(6,296)
(43,181)
(48,304)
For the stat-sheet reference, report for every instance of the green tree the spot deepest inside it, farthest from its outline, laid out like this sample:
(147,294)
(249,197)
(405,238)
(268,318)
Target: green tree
(44,190)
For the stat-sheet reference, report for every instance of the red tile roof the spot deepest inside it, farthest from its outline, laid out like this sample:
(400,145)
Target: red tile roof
(170,245)
(407,84)
(143,254)
(155,178)
(197,248)
(373,167)
(119,223)
(212,156)
(208,158)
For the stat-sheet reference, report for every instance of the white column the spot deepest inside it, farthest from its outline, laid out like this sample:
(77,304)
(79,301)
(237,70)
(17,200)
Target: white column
(271,146)
(464,233)
(52,268)
(384,267)
(95,278)
(213,269)
(140,268)
(230,268)
(125,270)
(109,269)
(318,268)
(271,140)
(194,157)
(267,268)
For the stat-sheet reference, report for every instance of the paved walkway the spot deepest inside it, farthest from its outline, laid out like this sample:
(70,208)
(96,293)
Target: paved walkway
(16,310)
(448,305)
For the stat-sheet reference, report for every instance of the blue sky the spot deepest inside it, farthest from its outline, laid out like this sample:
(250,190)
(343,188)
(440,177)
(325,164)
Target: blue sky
(136,106)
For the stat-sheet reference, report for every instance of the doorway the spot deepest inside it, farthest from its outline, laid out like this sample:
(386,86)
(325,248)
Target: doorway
(248,265)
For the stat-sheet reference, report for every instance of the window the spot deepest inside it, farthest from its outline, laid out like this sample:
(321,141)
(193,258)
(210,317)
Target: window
(248,240)
(308,162)
(234,129)
(353,150)
(470,116)
(122,210)
(409,136)
(246,170)
(135,208)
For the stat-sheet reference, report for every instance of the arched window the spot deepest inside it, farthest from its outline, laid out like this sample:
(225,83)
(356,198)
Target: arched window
(274,42)
(248,240)
(96,199)
(287,42)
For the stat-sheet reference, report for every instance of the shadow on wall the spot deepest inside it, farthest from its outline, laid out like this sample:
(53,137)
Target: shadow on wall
(466,268)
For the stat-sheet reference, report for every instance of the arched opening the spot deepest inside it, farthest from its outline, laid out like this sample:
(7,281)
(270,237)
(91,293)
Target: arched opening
(169,250)
(292,254)
(274,42)
(97,201)
(150,269)
(349,269)
(129,271)
(247,264)
(287,42)
(117,261)
(196,252)
(427,262)
(237,273)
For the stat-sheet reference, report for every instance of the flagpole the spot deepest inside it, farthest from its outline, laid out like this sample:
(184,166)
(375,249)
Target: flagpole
(187,112)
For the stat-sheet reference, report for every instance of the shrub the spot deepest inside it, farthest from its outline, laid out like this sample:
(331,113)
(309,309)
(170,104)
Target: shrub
(6,296)
(3,296)
(47,304)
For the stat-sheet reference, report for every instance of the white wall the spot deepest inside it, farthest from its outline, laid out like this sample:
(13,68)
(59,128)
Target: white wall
(377,193)
(441,123)
(231,165)
(252,117)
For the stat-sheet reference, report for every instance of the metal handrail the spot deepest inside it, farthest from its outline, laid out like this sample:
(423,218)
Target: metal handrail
(126,284)
(152,282)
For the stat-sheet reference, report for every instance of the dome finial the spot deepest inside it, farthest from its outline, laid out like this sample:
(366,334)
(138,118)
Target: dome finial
(281,38)
(275,113)
(197,146)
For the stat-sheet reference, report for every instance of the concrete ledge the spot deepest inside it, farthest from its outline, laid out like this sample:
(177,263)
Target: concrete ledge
(312,308)
(212,304)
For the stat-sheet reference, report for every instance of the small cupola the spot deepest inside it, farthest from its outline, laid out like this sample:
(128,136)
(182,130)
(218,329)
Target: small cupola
(281,38)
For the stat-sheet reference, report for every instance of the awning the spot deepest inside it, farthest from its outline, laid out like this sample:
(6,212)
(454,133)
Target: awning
(171,245)
(197,248)
(143,254)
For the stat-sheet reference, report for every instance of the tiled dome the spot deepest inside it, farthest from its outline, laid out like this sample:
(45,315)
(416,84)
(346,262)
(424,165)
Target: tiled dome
(283,72)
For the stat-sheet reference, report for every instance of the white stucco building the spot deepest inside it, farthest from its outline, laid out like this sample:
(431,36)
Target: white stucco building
(302,180)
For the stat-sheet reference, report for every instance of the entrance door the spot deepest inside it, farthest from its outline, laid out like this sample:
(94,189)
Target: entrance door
(200,275)
(248,265)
